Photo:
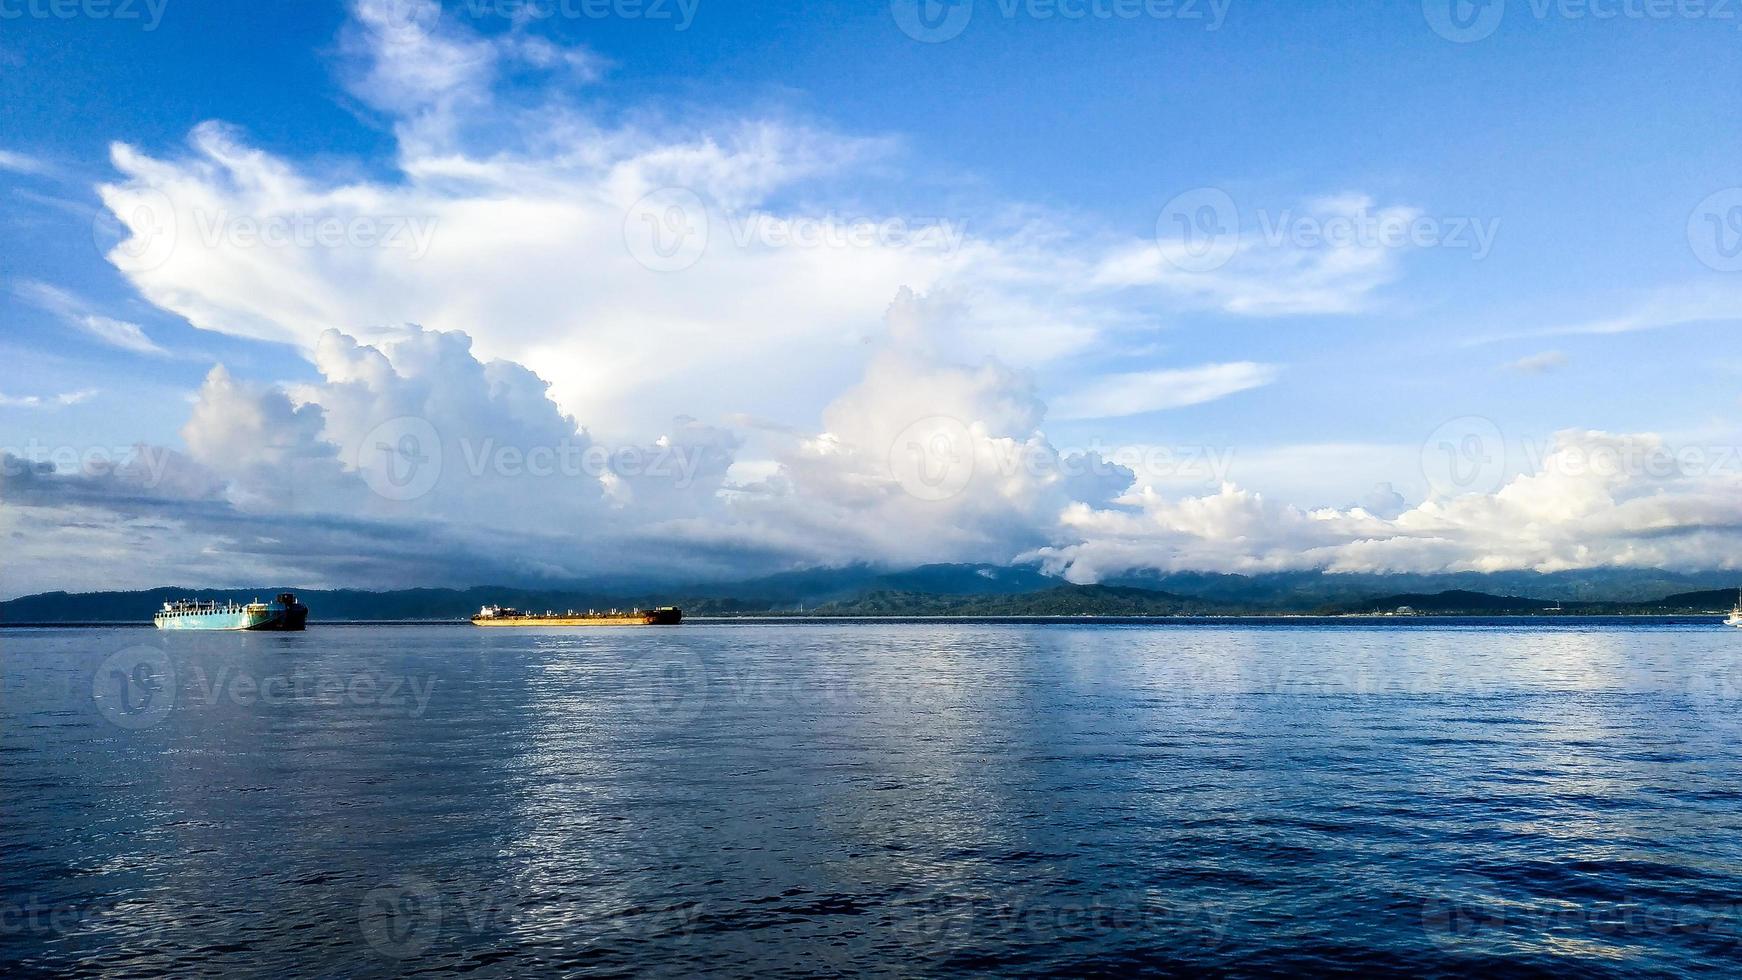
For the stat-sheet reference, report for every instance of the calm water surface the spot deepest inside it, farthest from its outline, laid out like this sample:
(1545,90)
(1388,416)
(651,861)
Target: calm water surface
(904,799)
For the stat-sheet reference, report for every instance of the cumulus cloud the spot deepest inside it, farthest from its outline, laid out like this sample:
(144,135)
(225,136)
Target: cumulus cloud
(926,461)
(1595,499)
(416,436)
(650,269)
(1385,501)
(441,467)
(271,453)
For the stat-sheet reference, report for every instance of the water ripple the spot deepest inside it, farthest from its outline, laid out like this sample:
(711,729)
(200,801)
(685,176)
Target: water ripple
(901,799)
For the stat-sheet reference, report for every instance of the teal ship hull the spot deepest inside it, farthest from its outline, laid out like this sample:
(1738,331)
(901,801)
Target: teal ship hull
(281,614)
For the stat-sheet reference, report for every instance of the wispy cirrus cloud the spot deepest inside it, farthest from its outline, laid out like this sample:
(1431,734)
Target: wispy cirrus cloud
(75,312)
(1670,307)
(1657,309)
(23,163)
(1135,393)
(1292,262)
(47,401)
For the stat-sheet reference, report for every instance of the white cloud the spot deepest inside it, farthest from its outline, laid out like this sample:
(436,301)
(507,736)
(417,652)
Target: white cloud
(21,163)
(275,480)
(921,460)
(1685,303)
(1118,395)
(76,313)
(1273,269)
(1595,500)
(539,241)
(513,483)
(924,461)
(529,258)
(1313,474)
(1688,303)
(118,333)
(50,401)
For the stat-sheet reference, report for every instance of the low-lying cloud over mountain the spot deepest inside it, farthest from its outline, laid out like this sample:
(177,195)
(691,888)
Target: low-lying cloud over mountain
(414,461)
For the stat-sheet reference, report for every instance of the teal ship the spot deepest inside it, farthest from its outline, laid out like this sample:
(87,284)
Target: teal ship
(282,613)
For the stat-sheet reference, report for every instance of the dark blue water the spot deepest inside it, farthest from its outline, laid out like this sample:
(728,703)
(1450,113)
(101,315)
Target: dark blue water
(903,799)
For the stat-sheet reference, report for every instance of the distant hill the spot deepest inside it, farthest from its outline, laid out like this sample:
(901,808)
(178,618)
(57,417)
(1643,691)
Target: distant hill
(1718,600)
(1452,601)
(1063,600)
(966,590)
(1310,589)
(1466,603)
(1103,600)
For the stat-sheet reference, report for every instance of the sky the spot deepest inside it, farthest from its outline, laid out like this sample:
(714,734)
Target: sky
(396,292)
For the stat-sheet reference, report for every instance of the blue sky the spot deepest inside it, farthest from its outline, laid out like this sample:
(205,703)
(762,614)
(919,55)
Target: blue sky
(1592,144)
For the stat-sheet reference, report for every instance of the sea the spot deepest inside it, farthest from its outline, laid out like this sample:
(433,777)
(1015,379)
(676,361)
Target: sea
(888,798)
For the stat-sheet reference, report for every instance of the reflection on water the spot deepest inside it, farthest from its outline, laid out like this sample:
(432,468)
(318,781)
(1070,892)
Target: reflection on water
(899,798)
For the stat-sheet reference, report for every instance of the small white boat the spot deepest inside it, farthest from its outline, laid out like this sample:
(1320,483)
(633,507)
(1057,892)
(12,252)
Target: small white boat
(1735,616)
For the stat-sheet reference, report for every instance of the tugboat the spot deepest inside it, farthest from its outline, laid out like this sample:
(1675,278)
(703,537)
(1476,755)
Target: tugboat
(283,613)
(504,616)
